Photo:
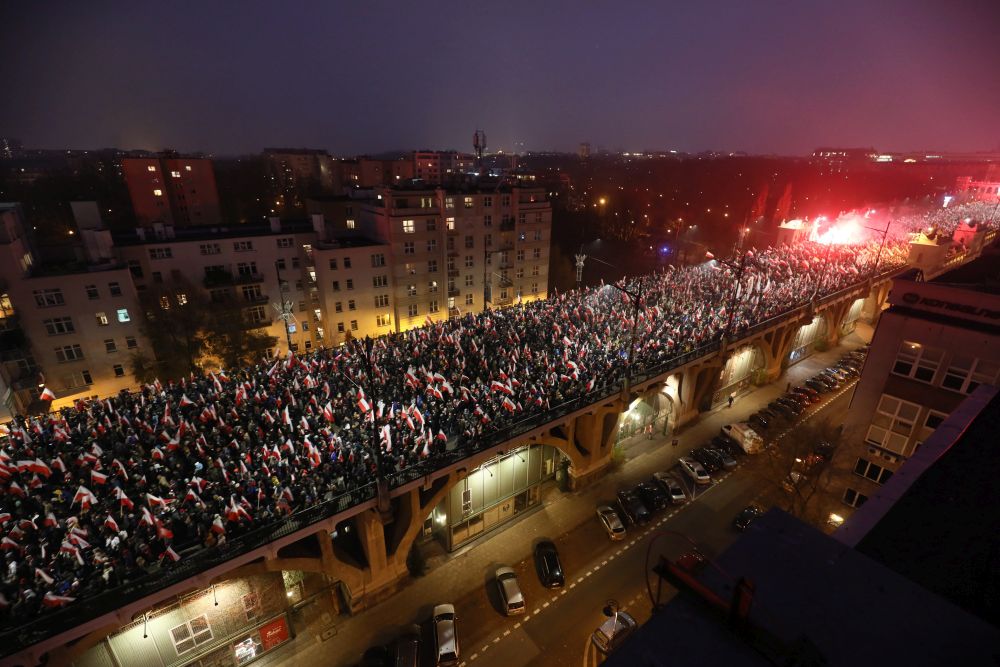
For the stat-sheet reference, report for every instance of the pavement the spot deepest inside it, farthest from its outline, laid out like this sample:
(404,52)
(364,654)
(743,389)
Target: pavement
(323,639)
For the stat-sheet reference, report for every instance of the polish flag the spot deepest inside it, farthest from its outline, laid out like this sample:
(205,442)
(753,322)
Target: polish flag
(47,395)
(52,600)
(328,412)
(84,497)
(51,520)
(185,401)
(153,501)
(171,554)
(217,526)
(15,489)
(5,517)
(123,499)
(285,417)
(111,523)
(7,544)
(58,464)
(44,576)
(98,478)
(39,466)
(147,518)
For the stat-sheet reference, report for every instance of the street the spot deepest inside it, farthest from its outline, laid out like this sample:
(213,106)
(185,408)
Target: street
(557,625)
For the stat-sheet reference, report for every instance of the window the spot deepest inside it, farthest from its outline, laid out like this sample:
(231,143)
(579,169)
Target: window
(295,262)
(381,300)
(468,299)
(189,635)
(333,263)
(242,246)
(893,423)
(520,255)
(872,471)
(431,225)
(534,270)
(378,259)
(964,374)
(46,298)
(854,499)
(354,325)
(432,287)
(488,240)
(468,202)
(469,280)
(412,310)
(248,269)
(350,223)
(119,370)
(102,319)
(347,262)
(336,285)
(432,266)
(251,293)
(432,245)
(536,253)
(251,606)
(79,379)
(92,292)
(427,202)
(411,290)
(505,201)
(338,307)
(487,202)
(409,227)
(519,273)
(917,361)
(534,288)
(449,202)
(449,223)
(68,353)
(382,320)
(934,419)
(350,283)
(257,315)
(130,342)
(157,192)
(522,218)
(160,253)
(110,345)
(280,264)
(451,264)
(380,281)
(58,326)
(487,221)
(284,242)
(340,327)
(408,248)
(351,305)
(123,315)
(150,167)
(470,242)
(433,306)
(538,235)
(210,249)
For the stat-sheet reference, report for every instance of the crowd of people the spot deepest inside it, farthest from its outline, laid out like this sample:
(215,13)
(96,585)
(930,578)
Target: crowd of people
(106,491)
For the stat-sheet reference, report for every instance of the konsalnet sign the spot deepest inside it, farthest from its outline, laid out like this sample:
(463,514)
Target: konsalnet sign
(927,302)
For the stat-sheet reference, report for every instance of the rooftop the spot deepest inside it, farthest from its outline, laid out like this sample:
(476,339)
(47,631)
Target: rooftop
(980,275)
(206,233)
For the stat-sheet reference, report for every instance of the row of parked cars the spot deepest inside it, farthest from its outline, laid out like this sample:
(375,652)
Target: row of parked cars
(789,406)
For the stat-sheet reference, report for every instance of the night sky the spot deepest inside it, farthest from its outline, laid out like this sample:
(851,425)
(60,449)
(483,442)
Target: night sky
(365,77)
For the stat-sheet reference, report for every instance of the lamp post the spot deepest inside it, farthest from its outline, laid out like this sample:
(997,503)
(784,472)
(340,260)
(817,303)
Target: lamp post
(285,313)
(885,233)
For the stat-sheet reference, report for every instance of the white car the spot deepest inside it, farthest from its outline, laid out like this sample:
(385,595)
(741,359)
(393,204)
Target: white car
(445,634)
(694,470)
(612,523)
(672,486)
(510,591)
(613,632)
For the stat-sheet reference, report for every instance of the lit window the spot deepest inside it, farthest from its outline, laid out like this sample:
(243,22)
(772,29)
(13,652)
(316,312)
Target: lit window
(123,315)
(158,192)
(350,224)
(409,227)
(150,168)
(187,167)
(175,174)
(102,319)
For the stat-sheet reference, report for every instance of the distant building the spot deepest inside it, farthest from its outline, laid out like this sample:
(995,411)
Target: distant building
(442,167)
(10,148)
(295,173)
(988,191)
(936,343)
(584,150)
(173,190)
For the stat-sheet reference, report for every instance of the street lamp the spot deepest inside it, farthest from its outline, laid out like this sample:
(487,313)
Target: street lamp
(885,233)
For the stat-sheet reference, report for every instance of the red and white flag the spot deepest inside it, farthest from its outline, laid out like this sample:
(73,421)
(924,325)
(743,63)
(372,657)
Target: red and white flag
(171,554)
(47,395)
(123,500)
(53,600)
(111,523)
(98,478)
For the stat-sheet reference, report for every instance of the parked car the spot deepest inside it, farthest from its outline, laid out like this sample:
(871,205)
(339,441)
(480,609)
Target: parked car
(747,516)
(728,445)
(800,400)
(406,648)
(376,656)
(838,373)
(612,523)
(673,487)
(652,495)
(793,481)
(694,470)
(824,449)
(510,591)
(850,371)
(550,570)
(781,409)
(760,420)
(821,384)
(632,507)
(832,378)
(445,634)
(708,461)
(809,393)
(613,632)
(790,403)
(725,459)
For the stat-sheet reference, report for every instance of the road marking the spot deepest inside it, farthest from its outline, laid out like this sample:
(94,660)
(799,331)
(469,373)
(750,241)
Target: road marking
(517,625)
(605,562)
(573,585)
(473,657)
(563,592)
(545,605)
(579,580)
(618,553)
(506,632)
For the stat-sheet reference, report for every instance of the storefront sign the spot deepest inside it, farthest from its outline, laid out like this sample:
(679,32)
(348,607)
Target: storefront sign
(274,633)
(914,299)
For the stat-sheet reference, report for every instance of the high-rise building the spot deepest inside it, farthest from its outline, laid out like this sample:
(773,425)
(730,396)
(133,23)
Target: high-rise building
(935,344)
(442,167)
(171,189)
(296,173)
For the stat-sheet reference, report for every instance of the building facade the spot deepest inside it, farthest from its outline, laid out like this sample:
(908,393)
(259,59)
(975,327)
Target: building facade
(172,189)
(937,342)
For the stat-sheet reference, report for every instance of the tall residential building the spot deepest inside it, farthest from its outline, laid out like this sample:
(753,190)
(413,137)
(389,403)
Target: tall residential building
(442,167)
(455,251)
(355,268)
(937,342)
(173,190)
(296,173)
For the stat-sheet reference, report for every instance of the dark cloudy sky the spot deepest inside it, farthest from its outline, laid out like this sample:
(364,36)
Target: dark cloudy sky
(753,75)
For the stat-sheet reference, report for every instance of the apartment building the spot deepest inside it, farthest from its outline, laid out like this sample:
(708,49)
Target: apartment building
(172,189)
(937,342)
(441,167)
(460,250)
(295,173)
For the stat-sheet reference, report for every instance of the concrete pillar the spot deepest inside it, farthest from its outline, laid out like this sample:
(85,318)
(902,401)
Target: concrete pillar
(593,443)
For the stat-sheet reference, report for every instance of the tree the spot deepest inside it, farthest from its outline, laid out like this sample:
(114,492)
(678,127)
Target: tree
(174,322)
(804,472)
(143,367)
(231,340)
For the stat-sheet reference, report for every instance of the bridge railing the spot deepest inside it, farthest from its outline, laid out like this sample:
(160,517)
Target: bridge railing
(17,638)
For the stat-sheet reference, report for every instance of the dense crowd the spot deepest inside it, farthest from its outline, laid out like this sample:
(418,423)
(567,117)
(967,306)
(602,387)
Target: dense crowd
(106,491)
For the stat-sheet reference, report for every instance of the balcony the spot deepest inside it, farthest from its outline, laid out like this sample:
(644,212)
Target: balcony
(248,278)
(454,291)
(257,323)
(507,226)
(255,299)
(453,273)
(217,279)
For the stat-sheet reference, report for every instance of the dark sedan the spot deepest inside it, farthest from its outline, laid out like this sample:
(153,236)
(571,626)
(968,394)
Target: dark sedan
(781,409)
(550,570)
(747,516)
(652,495)
(632,507)
(706,460)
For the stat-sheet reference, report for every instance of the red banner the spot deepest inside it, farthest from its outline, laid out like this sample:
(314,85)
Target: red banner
(274,633)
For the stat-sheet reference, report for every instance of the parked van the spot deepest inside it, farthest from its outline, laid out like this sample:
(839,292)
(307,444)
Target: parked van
(747,438)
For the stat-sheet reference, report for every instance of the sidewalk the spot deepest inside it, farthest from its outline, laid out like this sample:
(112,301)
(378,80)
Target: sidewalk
(560,512)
